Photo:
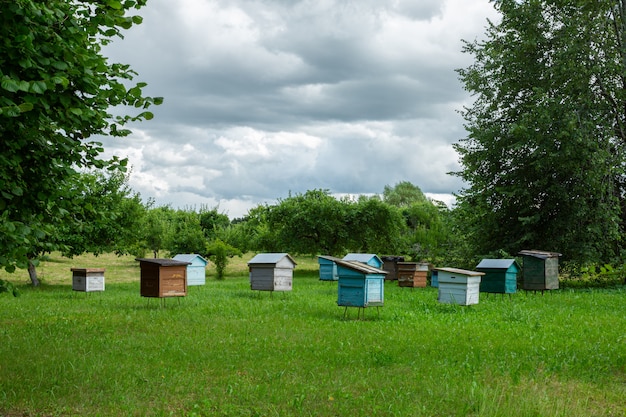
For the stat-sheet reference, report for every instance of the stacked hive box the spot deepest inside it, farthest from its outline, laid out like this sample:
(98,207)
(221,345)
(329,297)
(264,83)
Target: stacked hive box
(413,274)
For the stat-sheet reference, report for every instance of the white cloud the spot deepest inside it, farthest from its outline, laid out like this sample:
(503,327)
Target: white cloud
(271,96)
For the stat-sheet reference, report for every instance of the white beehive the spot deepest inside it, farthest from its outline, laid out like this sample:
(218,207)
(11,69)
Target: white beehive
(459,286)
(87,279)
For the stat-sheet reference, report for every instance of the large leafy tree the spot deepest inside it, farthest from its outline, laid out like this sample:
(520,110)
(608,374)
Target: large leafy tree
(311,223)
(56,91)
(544,156)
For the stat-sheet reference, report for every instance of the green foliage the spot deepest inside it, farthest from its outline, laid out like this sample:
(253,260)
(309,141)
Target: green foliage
(219,252)
(311,223)
(544,157)
(374,226)
(403,194)
(106,215)
(186,234)
(56,89)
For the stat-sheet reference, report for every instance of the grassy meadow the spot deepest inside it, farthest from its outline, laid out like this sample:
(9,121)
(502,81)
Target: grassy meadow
(225,350)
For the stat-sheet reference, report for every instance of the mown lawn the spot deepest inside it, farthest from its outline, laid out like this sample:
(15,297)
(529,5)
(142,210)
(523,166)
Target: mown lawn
(227,351)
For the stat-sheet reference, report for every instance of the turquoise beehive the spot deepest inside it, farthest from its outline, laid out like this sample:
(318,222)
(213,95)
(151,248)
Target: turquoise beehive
(500,275)
(328,268)
(360,285)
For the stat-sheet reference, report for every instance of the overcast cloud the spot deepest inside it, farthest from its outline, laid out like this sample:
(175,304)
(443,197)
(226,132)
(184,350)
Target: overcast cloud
(267,97)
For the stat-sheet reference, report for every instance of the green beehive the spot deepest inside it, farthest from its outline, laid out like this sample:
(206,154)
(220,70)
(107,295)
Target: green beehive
(500,275)
(540,270)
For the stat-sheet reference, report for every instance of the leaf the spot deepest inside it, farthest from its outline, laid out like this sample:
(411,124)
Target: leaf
(10,85)
(147,115)
(38,87)
(24,107)
(114,4)
(60,65)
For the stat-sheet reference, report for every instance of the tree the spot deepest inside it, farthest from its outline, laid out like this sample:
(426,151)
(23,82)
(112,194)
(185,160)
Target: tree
(374,226)
(56,89)
(403,194)
(186,234)
(311,223)
(106,217)
(219,252)
(544,155)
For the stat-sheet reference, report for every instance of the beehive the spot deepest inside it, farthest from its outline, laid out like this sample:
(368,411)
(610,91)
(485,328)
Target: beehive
(413,274)
(328,268)
(87,279)
(271,272)
(196,270)
(540,270)
(163,277)
(366,258)
(390,264)
(459,286)
(500,275)
(434,278)
(360,285)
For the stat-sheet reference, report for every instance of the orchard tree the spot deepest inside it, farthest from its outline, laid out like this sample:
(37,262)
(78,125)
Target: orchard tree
(310,223)
(374,226)
(56,91)
(403,194)
(544,157)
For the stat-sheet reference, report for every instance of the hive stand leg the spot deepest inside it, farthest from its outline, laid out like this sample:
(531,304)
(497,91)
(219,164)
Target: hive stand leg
(345,312)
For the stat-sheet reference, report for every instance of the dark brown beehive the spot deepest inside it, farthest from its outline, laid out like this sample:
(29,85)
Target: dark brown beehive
(163,277)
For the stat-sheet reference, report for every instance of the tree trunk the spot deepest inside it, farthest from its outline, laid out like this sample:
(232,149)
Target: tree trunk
(32,273)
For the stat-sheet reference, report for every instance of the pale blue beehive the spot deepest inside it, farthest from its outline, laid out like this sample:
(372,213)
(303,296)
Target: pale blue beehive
(366,258)
(196,270)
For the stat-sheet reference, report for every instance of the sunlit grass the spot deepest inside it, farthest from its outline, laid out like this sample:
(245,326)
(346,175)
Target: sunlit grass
(228,351)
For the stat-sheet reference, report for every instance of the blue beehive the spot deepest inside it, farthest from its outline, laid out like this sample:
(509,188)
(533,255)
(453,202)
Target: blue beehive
(196,270)
(366,258)
(328,268)
(500,275)
(360,285)
(434,279)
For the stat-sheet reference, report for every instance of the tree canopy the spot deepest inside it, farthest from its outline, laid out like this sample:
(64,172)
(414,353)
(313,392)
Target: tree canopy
(56,91)
(545,154)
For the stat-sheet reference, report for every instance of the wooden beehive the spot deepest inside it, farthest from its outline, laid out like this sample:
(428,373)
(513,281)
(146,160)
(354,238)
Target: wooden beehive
(360,285)
(163,277)
(500,275)
(366,258)
(540,270)
(390,264)
(271,272)
(413,274)
(87,279)
(196,270)
(459,286)
(328,268)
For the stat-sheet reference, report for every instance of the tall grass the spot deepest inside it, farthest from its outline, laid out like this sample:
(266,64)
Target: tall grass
(225,350)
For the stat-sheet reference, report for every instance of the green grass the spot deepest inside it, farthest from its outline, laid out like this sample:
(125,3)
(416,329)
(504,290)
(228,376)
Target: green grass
(227,351)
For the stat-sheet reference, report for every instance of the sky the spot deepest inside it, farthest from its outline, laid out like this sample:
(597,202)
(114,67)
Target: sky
(267,98)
